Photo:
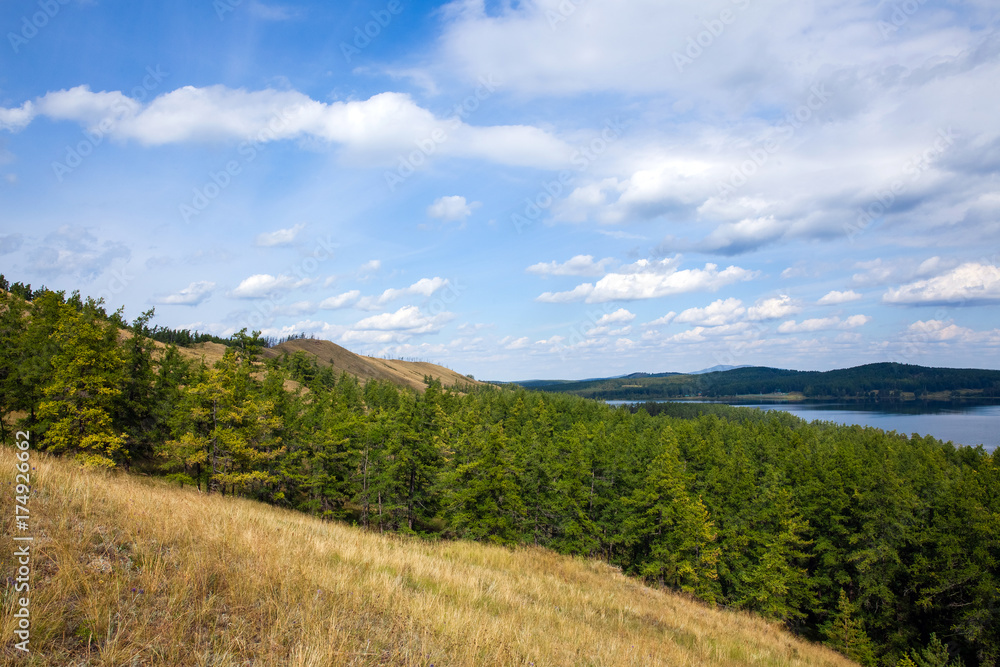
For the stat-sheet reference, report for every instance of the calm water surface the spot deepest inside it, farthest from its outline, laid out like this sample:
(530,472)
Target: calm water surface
(961,423)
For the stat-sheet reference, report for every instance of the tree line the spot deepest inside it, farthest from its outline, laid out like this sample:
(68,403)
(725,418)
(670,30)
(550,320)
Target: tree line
(874,382)
(883,546)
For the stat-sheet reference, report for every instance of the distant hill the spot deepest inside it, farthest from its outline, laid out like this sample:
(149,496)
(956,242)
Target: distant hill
(404,373)
(880,381)
(717,369)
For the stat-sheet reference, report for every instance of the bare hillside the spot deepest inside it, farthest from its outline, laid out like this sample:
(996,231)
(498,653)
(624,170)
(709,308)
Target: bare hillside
(404,373)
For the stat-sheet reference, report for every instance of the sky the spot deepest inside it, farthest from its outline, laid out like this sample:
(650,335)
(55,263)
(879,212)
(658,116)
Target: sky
(516,190)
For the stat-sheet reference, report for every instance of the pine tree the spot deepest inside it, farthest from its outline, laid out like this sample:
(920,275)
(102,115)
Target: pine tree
(87,373)
(846,634)
(670,531)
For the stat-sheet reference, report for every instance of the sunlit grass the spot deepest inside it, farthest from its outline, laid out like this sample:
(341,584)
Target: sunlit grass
(130,570)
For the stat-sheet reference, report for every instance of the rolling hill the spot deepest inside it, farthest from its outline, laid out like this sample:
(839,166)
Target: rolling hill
(408,374)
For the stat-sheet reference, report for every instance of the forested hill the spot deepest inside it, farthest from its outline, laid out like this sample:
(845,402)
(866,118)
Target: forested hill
(883,381)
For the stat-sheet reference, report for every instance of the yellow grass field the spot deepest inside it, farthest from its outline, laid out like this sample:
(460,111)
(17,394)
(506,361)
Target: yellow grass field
(132,571)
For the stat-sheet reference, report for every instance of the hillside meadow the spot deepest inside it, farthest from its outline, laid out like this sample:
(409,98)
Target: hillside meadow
(133,570)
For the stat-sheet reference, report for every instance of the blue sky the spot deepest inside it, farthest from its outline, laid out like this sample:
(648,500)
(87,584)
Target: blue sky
(559,188)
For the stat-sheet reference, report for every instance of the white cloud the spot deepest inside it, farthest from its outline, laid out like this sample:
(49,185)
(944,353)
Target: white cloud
(773,308)
(377,129)
(371,266)
(969,284)
(823,324)
(279,237)
(16,119)
(340,301)
(407,319)
(511,343)
(424,287)
(666,319)
(715,314)
(733,238)
(580,265)
(650,280)
(620,316)
(834,297)
(261,285)
(939,331)
(855,321)
(192,295)
(452,209)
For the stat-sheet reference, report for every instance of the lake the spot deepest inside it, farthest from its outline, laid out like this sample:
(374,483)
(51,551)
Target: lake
(961,423)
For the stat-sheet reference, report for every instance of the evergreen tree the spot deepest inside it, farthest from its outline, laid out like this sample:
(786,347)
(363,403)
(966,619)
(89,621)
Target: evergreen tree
(87,373)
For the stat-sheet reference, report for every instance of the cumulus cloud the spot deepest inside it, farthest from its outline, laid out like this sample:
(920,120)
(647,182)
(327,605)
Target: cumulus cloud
(620,316)
(823,323)
(407,320)
(940,331)
(371,266)
(378,128)
(773,308)
(666,319)
(340,301)
(279,237)
(970,284)
(511,343)
(834,297)
(452,209)
(734,238)
(650,280)
(16,119)
(192,295)
(262,285)
(580,265)
(424,287)
(715,314)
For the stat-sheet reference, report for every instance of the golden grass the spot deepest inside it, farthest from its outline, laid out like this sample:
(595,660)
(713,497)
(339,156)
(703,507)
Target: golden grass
(130,570)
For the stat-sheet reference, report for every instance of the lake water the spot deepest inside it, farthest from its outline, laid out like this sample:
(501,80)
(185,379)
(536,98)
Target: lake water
(961,423)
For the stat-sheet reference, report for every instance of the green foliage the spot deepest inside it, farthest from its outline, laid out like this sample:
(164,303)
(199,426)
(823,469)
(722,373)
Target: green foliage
(87,372)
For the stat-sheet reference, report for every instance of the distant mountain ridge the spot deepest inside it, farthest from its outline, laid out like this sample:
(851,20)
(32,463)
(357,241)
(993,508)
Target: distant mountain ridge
(878,381)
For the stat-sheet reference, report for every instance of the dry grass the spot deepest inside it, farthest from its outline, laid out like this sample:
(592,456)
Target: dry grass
(129,570)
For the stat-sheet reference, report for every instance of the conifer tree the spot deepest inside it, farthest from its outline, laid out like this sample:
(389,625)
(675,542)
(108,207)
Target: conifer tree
(86,377)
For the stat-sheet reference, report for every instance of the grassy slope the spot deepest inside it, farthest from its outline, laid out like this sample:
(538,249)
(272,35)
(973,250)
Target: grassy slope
(129,570)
